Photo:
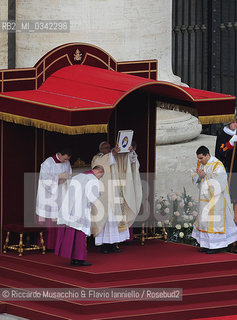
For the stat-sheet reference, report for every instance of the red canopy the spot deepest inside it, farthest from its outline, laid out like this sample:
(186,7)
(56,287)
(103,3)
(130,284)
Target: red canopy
(80,99)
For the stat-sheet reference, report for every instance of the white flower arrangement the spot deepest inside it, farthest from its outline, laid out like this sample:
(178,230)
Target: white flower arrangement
(178,212)
(181,235)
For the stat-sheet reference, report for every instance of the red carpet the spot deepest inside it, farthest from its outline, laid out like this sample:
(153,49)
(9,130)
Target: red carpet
(220,318)
(209,283)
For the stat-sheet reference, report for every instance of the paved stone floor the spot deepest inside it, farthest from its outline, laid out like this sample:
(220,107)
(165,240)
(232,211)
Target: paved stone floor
(5,316)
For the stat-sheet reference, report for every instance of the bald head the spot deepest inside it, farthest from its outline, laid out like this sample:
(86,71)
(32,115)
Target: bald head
(104,147)
(98,171)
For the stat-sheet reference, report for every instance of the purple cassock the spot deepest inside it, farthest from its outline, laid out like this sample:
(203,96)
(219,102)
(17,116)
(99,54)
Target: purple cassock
(71,243)
(51,234)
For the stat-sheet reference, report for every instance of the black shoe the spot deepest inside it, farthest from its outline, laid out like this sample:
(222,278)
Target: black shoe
(104,249)
(212,251)
(115,248)
(201,249)
(82,263)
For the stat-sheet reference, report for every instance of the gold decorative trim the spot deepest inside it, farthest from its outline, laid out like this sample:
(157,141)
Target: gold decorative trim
(133,89)
(222,118)
(139,71)
(74,44)
(221,232)
(176,107)
(216,99)
(77,55)
(97,58)
(18,69)
(18,79)
(52,63)
(80,164)
(40,74)
(109,63)
(44,70)
(36,79)
(138,61)
(49,126)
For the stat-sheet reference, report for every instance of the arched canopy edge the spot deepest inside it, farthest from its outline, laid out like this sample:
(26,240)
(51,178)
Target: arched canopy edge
(82,97)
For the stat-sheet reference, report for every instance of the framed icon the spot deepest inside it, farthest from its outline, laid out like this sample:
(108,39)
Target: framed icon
(124,140)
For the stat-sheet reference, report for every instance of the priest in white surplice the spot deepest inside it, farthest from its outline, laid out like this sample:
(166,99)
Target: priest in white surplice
(75,214)
(121,197)
(214,228)
(53,181)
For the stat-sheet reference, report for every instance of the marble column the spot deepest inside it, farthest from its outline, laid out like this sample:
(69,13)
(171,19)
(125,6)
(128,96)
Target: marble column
(4,36)
(128,30)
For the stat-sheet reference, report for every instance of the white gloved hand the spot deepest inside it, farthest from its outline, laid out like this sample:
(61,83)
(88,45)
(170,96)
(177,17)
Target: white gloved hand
(233,140)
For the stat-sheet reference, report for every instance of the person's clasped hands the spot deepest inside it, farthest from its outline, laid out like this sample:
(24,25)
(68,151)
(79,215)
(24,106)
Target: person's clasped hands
(63,177)
(233,140)
(201,173)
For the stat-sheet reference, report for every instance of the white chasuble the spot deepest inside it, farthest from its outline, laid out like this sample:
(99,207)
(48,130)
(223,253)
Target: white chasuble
(214,227)
(50,188)
(121,198)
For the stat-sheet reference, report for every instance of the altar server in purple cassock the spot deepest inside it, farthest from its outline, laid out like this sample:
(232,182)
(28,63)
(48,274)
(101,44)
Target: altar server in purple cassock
(75,215)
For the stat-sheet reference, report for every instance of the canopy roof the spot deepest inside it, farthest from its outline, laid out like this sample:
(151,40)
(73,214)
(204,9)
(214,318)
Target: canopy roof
(80,99)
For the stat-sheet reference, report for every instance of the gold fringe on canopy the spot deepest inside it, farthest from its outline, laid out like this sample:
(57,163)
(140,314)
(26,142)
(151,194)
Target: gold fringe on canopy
(176,107)
(222,118)
(49,126)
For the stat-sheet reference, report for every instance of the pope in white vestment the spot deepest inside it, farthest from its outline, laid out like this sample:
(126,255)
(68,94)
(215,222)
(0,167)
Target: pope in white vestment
(52,185)
(121,182)
(214,227)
